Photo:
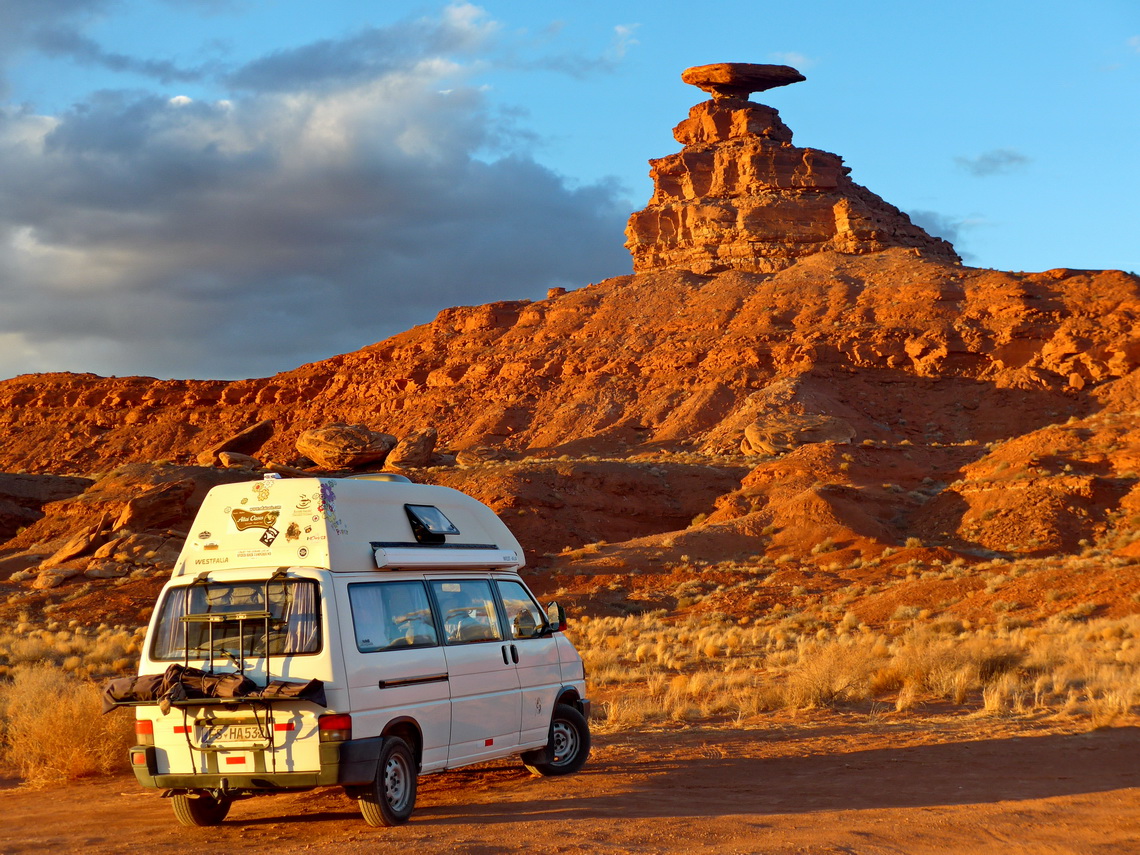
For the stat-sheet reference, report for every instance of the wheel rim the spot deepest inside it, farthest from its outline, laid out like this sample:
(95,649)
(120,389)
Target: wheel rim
(565,742)
(396,782)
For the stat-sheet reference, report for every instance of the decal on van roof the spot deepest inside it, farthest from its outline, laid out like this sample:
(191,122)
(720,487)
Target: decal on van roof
(337,524)
(328,508)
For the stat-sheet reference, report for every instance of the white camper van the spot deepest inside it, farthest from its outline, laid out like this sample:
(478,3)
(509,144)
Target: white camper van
(352,632)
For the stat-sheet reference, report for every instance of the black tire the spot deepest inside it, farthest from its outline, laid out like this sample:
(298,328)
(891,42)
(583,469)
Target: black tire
(391,798)
(199,808)
(569,745)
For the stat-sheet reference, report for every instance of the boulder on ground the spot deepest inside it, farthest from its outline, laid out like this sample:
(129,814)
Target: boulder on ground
(783,433)
(237,460)
(414,451)
(139,549)
(107,570)
(87,540)
(159,507)
(341,446)
(25,575)
(481,454)
(287,471)
(56,576)
(248,441)
(22,498)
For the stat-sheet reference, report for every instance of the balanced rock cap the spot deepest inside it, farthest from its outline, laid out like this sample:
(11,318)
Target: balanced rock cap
(739,79)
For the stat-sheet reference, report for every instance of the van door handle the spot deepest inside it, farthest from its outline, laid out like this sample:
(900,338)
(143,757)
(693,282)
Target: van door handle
(515,654)
(504,652)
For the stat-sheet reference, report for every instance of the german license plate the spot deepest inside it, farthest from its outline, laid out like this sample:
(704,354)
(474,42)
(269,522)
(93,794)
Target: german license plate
(215,733)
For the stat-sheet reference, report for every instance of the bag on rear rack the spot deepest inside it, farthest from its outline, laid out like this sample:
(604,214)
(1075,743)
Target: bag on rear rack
(314,691)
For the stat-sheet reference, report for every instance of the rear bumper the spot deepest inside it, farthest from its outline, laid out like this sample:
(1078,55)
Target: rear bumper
(344,763)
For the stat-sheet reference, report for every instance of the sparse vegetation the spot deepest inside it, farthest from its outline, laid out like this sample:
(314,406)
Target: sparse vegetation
(52,729)
(94,652)
(649,669)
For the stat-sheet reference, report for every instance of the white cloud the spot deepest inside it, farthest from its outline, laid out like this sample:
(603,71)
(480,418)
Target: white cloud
(796,60)
(334,199)
(623,40)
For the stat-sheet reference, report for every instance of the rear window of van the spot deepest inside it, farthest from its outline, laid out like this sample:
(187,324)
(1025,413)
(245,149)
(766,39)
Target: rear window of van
(221,620)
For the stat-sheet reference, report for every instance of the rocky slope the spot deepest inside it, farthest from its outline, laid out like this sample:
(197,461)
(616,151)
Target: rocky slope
(795,373)
(897,344)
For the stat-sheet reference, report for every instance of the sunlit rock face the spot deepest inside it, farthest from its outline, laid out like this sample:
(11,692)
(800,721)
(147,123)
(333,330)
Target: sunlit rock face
(741,196)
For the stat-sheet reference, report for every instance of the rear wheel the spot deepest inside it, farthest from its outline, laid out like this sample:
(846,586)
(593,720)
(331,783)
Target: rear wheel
(392,796)
(569,745)
(199,808)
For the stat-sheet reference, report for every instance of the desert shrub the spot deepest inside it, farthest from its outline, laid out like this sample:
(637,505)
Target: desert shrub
(1078,612)
(829,672)
(52,728)
(905,613)
(825,545)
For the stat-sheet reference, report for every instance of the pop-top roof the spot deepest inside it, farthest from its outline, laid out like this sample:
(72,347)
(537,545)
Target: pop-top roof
(344,525)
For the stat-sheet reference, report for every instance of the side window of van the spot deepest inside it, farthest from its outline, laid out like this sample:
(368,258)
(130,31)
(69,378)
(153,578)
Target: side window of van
(468,611)
(523,614)
(388,615)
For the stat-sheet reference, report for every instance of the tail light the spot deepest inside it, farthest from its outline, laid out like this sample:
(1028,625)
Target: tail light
(144,731)
(335,727)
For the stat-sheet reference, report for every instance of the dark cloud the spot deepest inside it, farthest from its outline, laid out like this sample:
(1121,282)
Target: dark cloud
(537,55)
(998,161)
(366,54)
(21,18)
(947,228)
(68,42)
(241,237)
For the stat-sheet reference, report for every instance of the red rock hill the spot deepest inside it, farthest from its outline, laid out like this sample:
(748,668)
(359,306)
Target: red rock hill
(661,357)
(783,324)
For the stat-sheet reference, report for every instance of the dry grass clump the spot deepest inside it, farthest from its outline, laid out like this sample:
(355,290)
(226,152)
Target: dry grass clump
(826,673)
(97,652)
(52,729)
(654,670)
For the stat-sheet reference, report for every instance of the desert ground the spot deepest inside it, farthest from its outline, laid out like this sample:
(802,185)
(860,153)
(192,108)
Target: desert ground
(817,783)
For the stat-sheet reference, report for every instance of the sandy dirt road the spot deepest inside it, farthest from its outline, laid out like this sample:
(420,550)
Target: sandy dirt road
(828,786)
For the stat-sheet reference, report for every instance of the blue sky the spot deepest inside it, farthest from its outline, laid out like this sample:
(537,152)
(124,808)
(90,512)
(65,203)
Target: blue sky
(231,188)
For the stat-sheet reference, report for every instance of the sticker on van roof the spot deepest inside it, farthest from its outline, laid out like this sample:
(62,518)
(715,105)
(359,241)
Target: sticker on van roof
(337,524)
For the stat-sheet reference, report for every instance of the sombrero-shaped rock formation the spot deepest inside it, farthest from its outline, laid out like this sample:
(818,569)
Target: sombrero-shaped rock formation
(741,196)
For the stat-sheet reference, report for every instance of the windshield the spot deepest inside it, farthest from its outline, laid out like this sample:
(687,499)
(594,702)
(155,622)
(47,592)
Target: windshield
(231,620)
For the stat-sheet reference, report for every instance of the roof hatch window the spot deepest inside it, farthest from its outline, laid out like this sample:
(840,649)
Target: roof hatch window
(429,523)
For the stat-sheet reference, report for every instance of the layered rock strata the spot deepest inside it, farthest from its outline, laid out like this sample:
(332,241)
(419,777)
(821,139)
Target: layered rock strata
(896,345)
(741,196)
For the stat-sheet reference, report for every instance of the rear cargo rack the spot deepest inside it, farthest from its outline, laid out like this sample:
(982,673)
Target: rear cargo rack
(126,692)
(222,617)
(241,618)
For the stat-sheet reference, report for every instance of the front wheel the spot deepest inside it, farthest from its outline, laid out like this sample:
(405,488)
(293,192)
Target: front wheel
(569,745)
(199,808)
(390,799)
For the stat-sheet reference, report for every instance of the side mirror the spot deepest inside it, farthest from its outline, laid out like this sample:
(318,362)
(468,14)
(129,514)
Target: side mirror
(556,617)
